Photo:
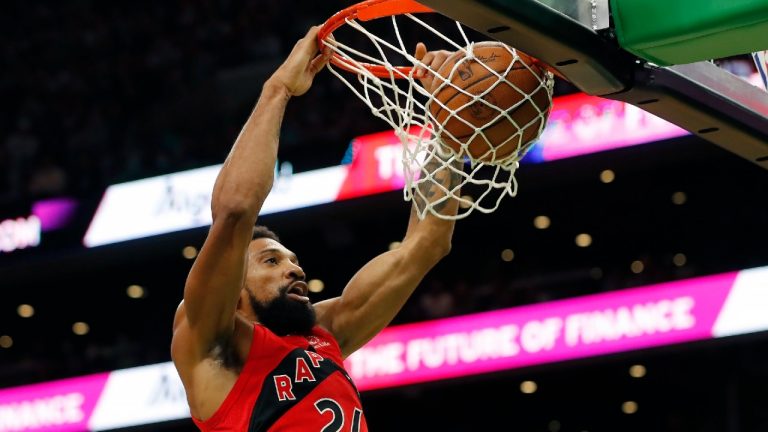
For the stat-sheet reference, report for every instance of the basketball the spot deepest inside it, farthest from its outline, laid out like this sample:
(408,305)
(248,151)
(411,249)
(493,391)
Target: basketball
(474,96)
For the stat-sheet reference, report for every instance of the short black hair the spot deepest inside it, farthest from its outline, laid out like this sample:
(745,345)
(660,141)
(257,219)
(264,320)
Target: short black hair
(260,231)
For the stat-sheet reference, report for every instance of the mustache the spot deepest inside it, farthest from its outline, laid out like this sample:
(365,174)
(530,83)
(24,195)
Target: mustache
(283,289)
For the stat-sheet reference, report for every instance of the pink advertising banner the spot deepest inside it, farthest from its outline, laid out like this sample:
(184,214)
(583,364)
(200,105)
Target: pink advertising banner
(581,124)
(662,314)
(59,406)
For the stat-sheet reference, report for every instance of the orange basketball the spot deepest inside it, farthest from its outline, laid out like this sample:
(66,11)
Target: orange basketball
(474,106)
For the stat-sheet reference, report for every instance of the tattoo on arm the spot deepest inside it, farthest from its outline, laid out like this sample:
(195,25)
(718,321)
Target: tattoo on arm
(442,175)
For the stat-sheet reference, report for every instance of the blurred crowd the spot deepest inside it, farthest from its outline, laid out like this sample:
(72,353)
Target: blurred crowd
(96,93)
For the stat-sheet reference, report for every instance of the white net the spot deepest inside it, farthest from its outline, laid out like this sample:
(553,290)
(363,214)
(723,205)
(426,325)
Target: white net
(468,158)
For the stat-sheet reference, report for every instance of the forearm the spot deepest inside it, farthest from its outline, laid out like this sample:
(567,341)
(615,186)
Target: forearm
(432,230)
(248,172)
(431,234)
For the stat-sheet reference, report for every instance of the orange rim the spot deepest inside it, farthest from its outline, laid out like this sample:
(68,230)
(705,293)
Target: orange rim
(373,9)
(366,11)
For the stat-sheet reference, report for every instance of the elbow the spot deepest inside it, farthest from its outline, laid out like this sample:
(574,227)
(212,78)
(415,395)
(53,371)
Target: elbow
(234,201)
(233,211)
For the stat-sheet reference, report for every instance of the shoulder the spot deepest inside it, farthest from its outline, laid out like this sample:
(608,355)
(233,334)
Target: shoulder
(230,350)
(209,373)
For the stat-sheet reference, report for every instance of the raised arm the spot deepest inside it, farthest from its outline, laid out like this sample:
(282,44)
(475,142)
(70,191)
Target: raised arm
(216,278)
(379,290)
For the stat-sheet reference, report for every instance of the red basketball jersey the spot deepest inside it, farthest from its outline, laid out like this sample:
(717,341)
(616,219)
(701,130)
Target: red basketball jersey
(290,383)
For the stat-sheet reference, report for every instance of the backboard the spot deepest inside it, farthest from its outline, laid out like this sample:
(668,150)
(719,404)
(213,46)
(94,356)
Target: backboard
(577,39)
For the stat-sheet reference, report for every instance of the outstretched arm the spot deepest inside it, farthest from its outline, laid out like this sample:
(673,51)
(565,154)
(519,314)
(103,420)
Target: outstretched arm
(216,278)
(379,290)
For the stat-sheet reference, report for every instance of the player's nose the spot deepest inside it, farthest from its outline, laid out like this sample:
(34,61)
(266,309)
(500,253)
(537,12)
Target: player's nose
(295,272)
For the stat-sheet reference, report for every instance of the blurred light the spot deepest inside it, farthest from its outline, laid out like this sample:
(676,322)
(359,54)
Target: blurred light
(629,407)
(607,176)
(679,259)
(528,387)
(583,240)
(135,291)
(541,222)
(637,371)
(596,273)
(637,267)
(189,252)
(25,310)
(6,341)
(80,328)
(315,285)
(394,245)
(507,255)
(554,426)
(466,201)
(679,198)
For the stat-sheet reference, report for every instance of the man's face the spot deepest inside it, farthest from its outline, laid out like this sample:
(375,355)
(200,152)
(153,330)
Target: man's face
(276,288)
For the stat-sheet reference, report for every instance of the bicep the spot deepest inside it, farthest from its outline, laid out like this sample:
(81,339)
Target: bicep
(182,348)
(374,295)
(216,278)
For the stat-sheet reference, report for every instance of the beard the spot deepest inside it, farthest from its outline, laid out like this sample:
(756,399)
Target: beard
(283,316)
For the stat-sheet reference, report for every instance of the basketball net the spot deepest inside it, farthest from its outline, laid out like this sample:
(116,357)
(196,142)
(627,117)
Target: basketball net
(394,95)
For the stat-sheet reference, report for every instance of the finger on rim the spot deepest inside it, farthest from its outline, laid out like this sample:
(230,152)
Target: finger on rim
(419,53)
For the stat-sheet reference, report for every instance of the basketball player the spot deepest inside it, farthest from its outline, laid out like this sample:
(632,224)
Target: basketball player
(252,352)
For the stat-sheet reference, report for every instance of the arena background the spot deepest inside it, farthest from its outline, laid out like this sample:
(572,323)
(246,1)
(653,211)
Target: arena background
(100,93)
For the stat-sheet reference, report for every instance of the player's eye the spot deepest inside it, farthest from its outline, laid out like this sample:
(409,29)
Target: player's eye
(271,260)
